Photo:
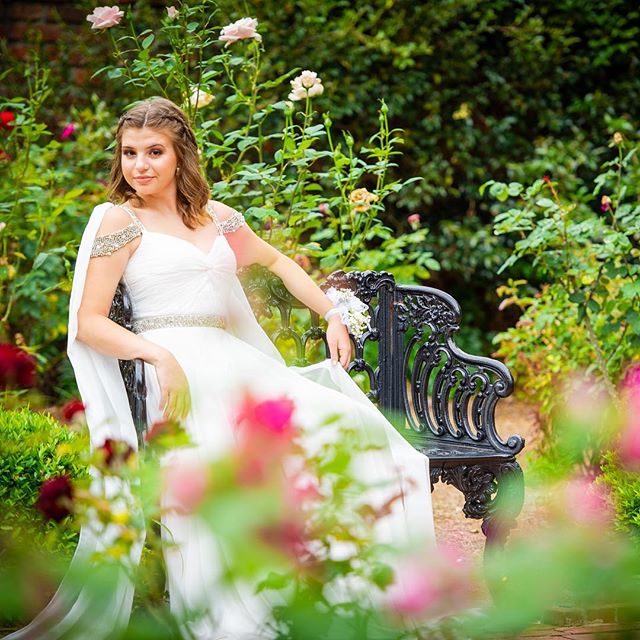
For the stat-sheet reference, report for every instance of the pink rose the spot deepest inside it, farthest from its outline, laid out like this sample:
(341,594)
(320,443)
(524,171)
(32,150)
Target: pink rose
(306,84)
(414,220)
(67,132)
(105,17)
(242,29)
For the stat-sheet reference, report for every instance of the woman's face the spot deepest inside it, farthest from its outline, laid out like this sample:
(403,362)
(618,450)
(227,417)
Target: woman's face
(148,160)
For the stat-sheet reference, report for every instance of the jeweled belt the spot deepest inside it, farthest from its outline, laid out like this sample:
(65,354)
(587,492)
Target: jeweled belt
(187,320)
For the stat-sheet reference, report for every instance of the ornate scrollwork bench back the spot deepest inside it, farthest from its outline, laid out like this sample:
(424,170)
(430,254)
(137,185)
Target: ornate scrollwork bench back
(441,399)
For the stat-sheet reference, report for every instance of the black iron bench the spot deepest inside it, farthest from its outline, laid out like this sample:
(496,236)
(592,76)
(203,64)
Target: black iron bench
(440,398)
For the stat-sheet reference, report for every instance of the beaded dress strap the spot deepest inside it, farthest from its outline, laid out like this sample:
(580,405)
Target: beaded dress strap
(231,224)
(133,216)
(106,244)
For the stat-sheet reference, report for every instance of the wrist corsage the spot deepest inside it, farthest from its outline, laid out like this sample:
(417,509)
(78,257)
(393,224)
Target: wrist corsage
(353,312)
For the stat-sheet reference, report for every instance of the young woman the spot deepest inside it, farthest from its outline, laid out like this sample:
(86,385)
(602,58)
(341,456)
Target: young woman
(177,252)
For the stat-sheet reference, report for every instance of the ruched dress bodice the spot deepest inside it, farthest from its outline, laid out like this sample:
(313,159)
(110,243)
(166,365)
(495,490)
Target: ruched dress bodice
(167,275)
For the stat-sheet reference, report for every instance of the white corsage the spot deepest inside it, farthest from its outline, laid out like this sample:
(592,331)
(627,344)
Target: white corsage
(353,312)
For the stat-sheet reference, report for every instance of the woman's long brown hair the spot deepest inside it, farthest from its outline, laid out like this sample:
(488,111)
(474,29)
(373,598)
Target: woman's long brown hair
(193,192)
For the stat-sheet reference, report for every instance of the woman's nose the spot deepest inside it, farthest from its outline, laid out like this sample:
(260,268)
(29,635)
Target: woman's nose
(141,162)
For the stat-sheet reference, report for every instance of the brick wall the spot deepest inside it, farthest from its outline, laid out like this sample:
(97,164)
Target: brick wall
(58,22)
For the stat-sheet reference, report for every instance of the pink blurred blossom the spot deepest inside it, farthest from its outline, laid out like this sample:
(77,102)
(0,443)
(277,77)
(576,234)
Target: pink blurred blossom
(105,17)
(631,379)
(186,483)
(67,132)
(323,208)
(585,502)
(172,13)
(586,400)
(434,583)
(274,415)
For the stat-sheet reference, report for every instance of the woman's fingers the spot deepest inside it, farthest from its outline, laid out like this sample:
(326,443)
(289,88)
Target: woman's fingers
(333,349)
(344,348)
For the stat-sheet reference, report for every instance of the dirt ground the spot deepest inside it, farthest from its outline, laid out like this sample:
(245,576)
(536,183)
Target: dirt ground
(452,528)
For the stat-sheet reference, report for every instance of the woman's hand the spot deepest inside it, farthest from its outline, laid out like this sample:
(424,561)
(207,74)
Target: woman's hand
(175,399)
(339,342)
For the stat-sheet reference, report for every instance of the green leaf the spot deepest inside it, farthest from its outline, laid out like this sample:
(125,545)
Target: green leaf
(39,261)
(147,42)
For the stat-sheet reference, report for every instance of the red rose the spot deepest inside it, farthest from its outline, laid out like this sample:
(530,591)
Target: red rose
(72,408)
(6,119)
(55,500)
(17,367)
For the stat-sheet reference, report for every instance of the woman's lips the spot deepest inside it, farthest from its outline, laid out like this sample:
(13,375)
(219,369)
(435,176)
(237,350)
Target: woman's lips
(144,180)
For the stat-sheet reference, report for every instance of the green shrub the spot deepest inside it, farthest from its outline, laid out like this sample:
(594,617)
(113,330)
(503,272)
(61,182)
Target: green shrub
(625,491)
(33,448)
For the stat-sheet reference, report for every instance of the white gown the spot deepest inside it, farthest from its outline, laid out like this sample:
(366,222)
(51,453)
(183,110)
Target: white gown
(170,276)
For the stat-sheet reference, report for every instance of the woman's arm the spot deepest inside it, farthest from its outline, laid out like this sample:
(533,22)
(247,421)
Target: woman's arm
(102,334)
(250,249)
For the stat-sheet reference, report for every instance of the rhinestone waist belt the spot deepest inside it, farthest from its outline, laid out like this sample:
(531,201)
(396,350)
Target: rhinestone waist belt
(164,322)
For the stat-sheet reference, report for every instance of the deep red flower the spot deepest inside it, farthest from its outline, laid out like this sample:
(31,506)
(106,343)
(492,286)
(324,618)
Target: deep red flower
(116,452)
(546,178)
(55,500)
(72,408)
(17,367)
(4,155)
(6,119)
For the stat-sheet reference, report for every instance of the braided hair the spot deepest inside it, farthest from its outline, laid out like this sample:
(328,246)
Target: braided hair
(193,192)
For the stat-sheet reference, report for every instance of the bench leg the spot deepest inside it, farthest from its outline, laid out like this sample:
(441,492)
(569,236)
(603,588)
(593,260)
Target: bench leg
(493,492)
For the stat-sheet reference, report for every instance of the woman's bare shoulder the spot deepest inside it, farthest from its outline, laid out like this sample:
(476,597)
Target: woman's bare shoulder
(223,211)
(114,219)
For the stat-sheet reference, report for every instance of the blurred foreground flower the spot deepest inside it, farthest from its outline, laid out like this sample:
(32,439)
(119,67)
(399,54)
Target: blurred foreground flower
(105,17)
(186,482)
(585,502)
(114,454)
(17,367)
(55,500)
(242,29)
(414,220)
(431,584)
(172,13)
(306,84)
(629,441)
